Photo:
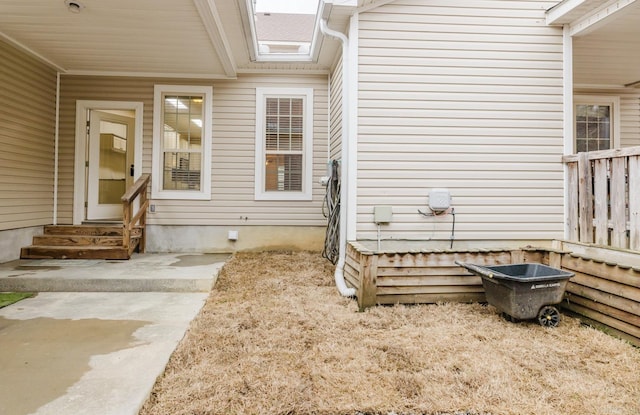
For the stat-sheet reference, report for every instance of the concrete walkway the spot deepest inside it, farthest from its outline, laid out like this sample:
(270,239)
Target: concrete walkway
(90,352)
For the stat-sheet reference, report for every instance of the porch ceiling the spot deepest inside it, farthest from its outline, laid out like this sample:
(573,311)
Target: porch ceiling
(607,53)
(174,38)
(207,39)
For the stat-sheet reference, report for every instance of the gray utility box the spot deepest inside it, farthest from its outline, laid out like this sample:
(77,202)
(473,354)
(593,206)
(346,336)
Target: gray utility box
(523,290)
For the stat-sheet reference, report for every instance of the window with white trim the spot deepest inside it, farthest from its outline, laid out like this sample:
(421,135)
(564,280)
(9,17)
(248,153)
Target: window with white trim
(284,126)
(595,123)
(182,142)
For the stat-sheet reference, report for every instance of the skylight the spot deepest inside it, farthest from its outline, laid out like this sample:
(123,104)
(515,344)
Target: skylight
(284,29)
(286,6)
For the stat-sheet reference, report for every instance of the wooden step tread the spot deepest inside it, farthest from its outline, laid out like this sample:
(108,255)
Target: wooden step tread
(74,252)
(83,230)
(76,240)
(90,247)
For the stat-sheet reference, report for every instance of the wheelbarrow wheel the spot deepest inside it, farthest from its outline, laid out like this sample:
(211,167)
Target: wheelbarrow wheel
(548,316)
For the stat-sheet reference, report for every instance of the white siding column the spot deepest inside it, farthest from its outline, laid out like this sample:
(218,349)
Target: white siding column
(567,89)
(352,135)
(56,153)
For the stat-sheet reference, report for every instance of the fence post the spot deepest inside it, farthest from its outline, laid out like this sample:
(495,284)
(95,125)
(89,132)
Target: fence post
(617,196)
(585,198)
(634,202)
(572,201)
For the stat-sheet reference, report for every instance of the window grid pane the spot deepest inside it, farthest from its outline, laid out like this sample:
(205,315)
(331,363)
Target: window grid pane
(284,144)
(181,171)
(182,130)
(283,172)
(593,127)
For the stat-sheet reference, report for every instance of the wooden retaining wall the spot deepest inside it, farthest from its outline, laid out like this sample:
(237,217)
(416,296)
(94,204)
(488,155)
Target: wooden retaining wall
(426,276)
(605,290)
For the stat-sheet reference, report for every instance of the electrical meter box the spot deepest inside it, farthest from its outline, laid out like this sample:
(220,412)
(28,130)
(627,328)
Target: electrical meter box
(382,214)
(439,199)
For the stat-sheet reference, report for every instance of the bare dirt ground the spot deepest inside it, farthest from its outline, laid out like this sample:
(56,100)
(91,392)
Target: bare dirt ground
(275,337)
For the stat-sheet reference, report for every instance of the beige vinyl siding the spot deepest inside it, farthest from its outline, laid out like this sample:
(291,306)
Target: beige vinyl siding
(233,163)
(336,111)
(630,118)
(464,95)
(629,112)
(27,133)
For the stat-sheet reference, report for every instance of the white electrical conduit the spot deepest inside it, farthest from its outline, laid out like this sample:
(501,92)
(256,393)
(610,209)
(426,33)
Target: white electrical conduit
(339,272)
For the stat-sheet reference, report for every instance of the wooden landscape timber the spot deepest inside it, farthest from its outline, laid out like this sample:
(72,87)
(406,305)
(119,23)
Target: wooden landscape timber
(605,290)
(425,276)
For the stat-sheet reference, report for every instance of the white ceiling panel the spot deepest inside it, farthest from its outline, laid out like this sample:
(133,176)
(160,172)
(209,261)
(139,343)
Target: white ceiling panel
(174,38)
(114,36)
(609,55)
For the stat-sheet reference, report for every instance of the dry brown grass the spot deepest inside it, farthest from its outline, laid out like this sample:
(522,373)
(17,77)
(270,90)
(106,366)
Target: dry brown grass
(276,338)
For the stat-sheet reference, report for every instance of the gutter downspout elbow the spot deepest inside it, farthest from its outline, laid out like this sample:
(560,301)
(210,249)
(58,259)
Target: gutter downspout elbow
(324,28)
(339,272)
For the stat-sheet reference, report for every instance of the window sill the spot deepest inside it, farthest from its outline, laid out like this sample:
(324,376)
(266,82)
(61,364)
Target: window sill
(180,195)
(283,196)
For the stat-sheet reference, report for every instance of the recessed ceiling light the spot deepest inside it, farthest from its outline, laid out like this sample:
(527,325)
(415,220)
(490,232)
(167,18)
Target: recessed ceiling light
(74,6)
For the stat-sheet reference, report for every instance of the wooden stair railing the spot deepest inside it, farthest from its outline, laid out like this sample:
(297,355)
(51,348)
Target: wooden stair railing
(134,226)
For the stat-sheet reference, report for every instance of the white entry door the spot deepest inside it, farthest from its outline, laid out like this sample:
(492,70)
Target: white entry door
(110,173)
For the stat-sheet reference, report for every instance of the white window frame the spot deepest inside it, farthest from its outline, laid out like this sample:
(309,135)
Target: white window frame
(159,91)
(611,100)
(307,143)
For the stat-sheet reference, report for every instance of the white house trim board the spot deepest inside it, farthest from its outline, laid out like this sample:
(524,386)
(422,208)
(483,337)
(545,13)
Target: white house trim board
(56,153)
(213,25)
(568,121)
(79,176)
(560,13)
(148,74)
(567,89)
(352,135)
(248,27)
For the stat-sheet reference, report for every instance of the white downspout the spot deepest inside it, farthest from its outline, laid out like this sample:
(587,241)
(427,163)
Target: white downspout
(56,144)
(339,272)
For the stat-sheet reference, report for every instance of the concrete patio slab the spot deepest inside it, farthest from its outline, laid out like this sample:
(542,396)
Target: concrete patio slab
(142,273)
(99,332)
(88,353)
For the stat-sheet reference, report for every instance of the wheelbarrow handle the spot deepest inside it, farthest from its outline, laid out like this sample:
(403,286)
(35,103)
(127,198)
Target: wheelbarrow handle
(476,269)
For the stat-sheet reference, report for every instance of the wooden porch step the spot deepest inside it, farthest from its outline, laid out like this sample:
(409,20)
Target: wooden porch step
(103,239)
(76,240)
(85,230)
(95,241)
(73,252)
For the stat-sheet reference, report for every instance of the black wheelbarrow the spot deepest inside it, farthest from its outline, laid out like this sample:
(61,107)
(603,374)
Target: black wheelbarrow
(523,291)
